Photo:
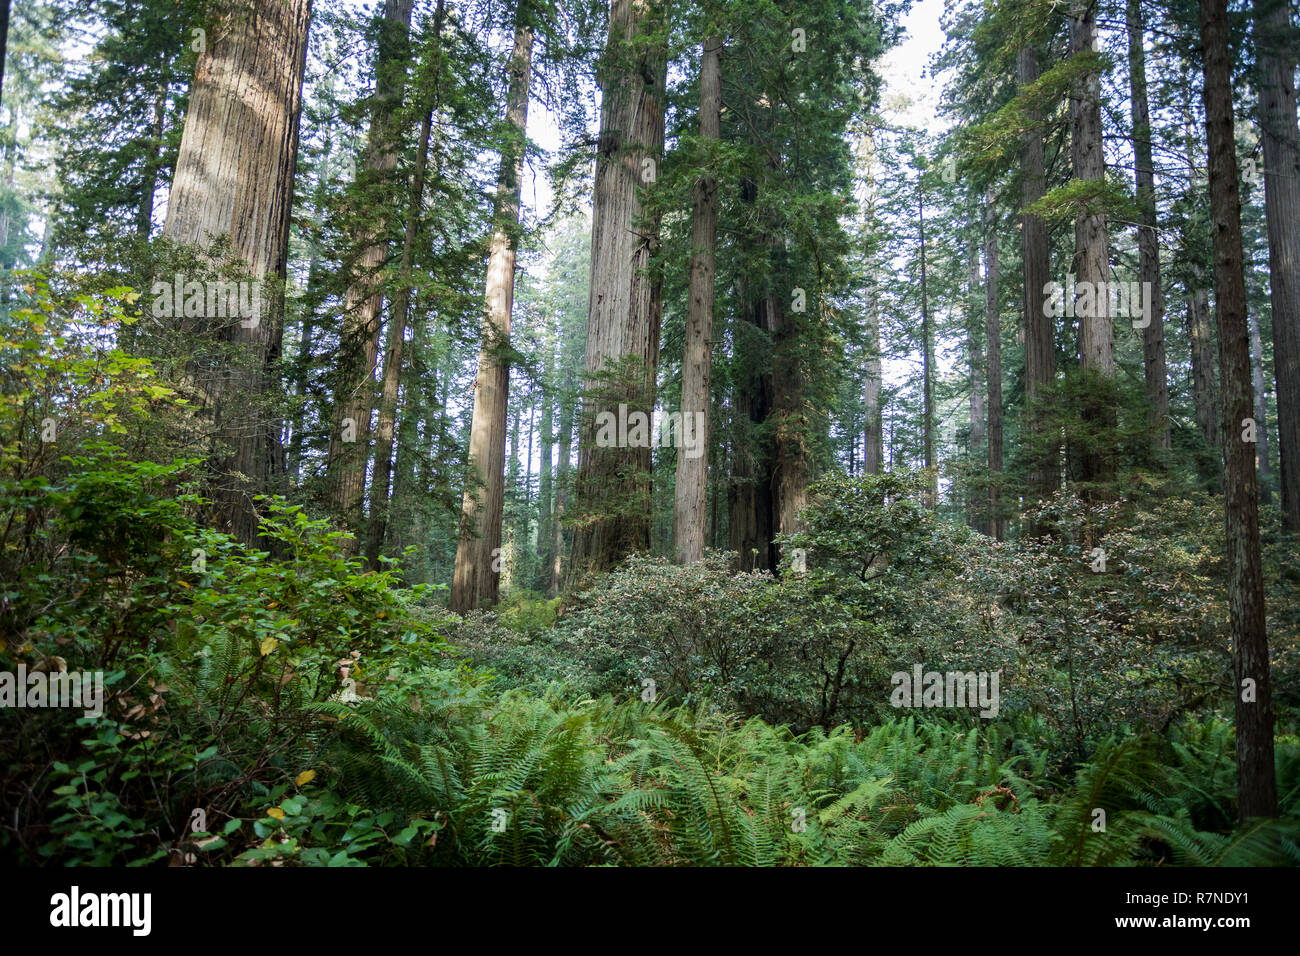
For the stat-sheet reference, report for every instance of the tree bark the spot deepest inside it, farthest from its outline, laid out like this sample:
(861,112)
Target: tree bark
(475,583)
(1153,336)
(234,178)
(927,362)
(691,490)
(792,464)
(749,497)
(993,345)
(1275,42)
(1256,780)
(1040,334)
(562,486)
(613,488)
(975,321)
(546,449)
(1091,251)
(4,39)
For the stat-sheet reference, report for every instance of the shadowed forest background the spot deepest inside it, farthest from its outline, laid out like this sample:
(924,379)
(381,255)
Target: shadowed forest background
(477,432)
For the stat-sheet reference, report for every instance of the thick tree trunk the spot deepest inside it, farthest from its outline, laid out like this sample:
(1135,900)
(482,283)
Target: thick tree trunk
(613,488)
(691,491)
(1153,336)
(1091,250)
(234,178)
(1040,343)
(1277,119)
(993,344)
(475,582)
(1256,780)
(749,496)
(354,389)
(792,463)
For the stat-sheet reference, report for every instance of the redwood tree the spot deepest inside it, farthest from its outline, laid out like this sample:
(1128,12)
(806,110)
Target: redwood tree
(612,489)
(1252,693)
(234,181)
(693,472)
(477,574)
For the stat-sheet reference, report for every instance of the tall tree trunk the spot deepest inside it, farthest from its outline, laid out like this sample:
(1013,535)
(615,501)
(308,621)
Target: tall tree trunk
(302,372)
(691,491)
(716,459)
(354,390)
(1091,250)
(1040,334)
(613,489)
(4,39)
(379,482)
(546,447)
(528,470)
(562,485)
(1275,41)
(975,515)
(749,497)
(1252,692)
(1153,336)
(234,178)
(792,464)
(993,343)
(927,361)
(10,162)
(475,582)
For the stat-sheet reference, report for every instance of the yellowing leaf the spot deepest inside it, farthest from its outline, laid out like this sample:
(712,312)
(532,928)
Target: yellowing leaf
(275,812)
(268,645)
(307,776)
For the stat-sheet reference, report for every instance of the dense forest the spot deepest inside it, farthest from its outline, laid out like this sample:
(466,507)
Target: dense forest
(649,432)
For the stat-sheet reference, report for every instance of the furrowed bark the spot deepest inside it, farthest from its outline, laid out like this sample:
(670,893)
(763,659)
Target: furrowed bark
(691,490)
(1252,693)
(234,179)
(475,582)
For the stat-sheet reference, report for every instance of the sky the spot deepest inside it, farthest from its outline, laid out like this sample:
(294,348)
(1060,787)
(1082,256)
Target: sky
(906,69)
